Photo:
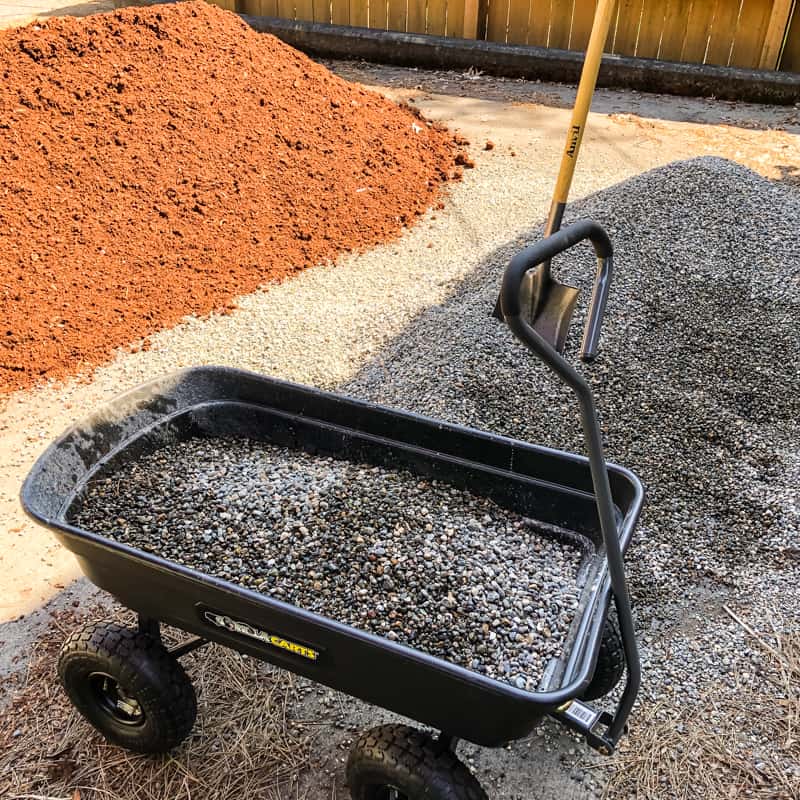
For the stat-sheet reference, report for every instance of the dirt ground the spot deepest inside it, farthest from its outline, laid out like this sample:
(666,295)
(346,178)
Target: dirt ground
(507,192)
(628,133)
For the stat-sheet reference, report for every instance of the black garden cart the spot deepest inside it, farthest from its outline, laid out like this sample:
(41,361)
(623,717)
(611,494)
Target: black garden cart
(134,690)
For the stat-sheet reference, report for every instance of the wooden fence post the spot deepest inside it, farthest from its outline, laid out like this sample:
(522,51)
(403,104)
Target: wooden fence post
(776,30)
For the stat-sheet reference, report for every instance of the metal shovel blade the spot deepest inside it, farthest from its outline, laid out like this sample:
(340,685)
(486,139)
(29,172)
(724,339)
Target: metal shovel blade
(549,305)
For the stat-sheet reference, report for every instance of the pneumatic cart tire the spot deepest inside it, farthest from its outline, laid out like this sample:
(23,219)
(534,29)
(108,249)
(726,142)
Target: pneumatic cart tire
(396,762)
(610,662)
(128,686)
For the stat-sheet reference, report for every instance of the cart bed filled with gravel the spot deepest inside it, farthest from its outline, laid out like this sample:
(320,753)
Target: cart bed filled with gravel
(453,576)
(412,559)
(450,575)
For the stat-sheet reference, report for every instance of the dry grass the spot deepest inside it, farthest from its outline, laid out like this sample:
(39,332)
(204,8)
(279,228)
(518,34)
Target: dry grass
(738,743)
(244,744)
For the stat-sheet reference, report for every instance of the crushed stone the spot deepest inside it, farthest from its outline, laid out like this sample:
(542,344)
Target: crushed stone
(414,560)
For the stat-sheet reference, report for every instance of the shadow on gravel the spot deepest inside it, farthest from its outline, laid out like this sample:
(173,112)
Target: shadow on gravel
(694,382)
(789,174)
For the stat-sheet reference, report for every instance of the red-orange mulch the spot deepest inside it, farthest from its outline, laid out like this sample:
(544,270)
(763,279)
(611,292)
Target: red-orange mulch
(158,162)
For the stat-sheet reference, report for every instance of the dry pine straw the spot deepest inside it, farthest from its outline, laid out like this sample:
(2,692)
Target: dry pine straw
(704,750)
(244,744)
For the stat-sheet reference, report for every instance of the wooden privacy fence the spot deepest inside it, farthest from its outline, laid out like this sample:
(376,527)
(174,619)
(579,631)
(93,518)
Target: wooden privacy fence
(761,34)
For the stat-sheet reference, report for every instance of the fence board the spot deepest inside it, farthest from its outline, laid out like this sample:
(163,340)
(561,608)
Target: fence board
(723,29)
(397,15)
(776,31)
(471,22)
(285,8)
(455,17)
(436,18)
(676,12)
(791,53)
(304,9)
(358,12)
(653,19)
(560,24)
(516,26)
(415,16)
(751,28)
(378,14)
(627,28)
(340,12)
(749,38)
(496,16)
(698,25)
(582,18)
(539,21)
(322,9)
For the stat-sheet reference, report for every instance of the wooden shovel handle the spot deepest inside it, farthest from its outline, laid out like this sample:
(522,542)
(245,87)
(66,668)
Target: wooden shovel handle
(591,66)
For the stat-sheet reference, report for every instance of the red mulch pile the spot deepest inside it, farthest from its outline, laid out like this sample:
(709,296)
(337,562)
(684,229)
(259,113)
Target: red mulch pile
(158,162)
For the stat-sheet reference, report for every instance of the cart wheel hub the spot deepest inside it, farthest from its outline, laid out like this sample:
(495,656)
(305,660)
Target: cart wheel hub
(114,700)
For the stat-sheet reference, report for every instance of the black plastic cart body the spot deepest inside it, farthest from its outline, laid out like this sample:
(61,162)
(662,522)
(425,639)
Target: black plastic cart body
(588,497)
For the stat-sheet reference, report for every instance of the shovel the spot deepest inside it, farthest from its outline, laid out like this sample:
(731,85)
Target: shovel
(547,303)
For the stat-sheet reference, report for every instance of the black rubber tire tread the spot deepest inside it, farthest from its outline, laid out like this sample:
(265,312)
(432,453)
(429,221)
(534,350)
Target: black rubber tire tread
(144,669)
(610,661)
(411,761)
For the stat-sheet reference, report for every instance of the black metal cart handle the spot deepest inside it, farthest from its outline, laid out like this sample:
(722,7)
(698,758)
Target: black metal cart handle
(544,251)
(513,315)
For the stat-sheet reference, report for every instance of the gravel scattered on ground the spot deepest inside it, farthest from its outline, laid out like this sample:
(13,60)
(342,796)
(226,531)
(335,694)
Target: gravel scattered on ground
(414,560)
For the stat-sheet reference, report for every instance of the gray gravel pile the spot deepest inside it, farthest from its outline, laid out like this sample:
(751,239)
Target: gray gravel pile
(416,561)
(697,380)
(697,386)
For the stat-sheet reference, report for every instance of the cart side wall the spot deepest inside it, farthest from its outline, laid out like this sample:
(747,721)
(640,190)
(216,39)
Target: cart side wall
(64,465)
(404,681)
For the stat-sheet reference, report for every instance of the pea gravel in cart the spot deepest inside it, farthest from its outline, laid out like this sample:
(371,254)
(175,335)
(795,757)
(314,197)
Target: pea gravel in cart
(135,691)
(420,562)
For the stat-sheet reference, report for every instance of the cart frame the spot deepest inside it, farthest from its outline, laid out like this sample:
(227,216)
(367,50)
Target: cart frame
(590,496)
